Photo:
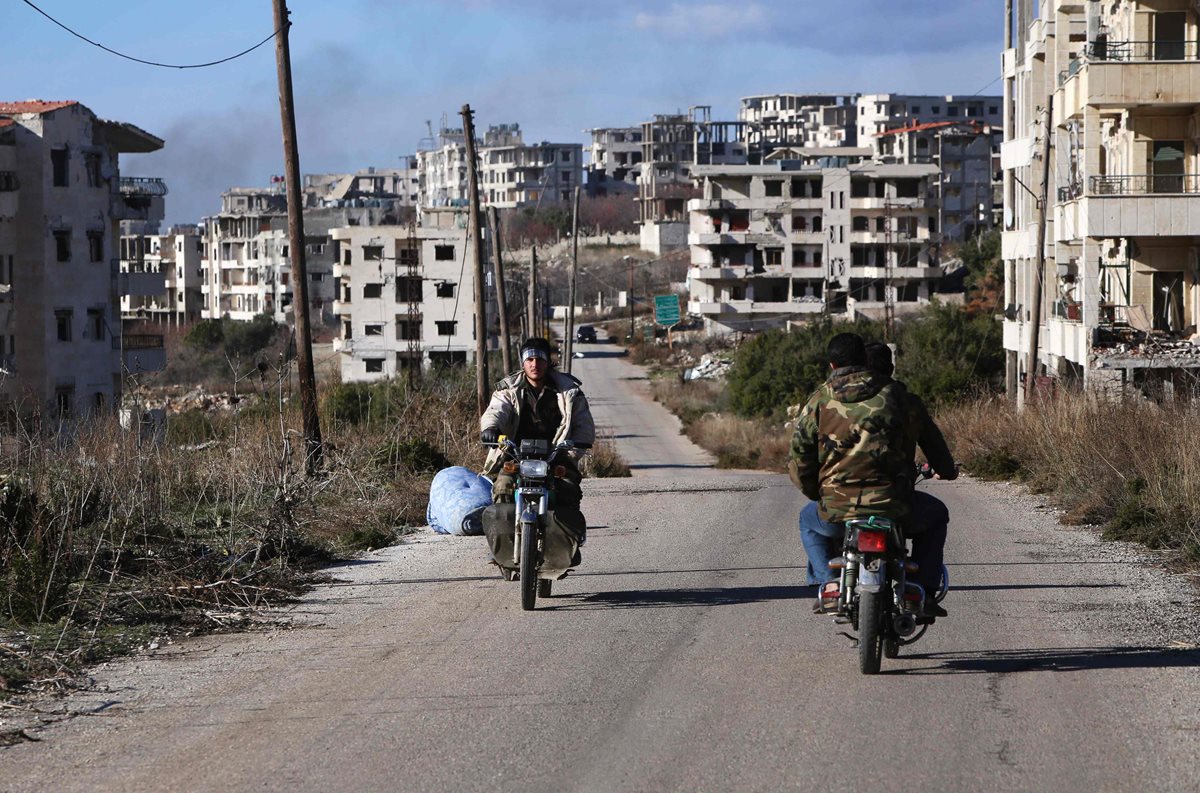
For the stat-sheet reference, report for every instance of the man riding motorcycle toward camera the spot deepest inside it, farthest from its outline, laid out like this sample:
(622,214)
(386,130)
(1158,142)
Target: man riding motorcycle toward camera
(852,455)
(540,403)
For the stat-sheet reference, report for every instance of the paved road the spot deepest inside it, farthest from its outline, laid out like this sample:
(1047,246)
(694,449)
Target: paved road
(681,657)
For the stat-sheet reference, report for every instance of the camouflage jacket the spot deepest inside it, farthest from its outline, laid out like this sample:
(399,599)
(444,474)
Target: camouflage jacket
(923,432)
(851,452)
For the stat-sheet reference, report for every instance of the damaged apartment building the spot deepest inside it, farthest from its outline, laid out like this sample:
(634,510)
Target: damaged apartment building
(405,300)
(512,174)
(829,232)
(614,161)
(883,124)
(245,257)
(62,197)
(1104,97)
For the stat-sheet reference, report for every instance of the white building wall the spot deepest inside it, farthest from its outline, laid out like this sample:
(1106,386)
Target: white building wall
(374,290)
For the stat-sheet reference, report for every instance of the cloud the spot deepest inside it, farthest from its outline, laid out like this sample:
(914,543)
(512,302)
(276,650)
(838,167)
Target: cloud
(709,20)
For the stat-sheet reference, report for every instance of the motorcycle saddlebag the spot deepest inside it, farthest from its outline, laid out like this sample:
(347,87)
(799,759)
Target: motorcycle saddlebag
(558,552)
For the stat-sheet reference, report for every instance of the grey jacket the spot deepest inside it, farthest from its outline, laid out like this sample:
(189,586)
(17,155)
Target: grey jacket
(503,414)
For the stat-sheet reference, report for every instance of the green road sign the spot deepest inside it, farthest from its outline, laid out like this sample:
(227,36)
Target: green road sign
(666,309)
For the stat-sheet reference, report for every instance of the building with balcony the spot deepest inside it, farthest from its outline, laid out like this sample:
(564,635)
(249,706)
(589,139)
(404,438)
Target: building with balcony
(1116,300)
(823,120)
(829,232)
(878,113)
(162,272)
(405,297)
(964,190)
(512,173)
(245,257)
(614,160)
(62,199)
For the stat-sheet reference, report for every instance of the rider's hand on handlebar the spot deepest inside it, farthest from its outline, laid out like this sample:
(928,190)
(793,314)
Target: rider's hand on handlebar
(489,437)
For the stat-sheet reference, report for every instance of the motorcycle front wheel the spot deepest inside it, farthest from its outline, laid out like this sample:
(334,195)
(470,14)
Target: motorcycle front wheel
(870,632)
(529,576)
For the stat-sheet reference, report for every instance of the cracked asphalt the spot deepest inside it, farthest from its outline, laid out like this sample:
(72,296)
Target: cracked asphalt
(681,656)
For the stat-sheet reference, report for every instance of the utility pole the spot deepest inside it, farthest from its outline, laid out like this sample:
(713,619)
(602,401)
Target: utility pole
(1039,276)
(629,298)
(476,240)
(531,312)
(570,341)
(501,296)
(304,359)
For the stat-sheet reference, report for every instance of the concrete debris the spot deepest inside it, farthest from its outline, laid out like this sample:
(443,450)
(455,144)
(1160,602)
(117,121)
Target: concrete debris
(710,367)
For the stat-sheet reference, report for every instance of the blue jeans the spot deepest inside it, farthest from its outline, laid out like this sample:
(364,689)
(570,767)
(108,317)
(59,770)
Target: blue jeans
(927,527)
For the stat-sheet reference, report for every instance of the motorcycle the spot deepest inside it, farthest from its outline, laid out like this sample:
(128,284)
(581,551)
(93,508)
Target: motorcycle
(530,462)
(875,596)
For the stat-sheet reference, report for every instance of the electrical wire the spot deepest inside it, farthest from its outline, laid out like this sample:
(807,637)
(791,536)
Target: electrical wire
(153,63)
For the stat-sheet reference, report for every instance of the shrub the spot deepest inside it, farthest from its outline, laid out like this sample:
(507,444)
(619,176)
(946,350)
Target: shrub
(206,334)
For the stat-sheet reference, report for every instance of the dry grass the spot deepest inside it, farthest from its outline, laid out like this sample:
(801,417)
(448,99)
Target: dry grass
(736,442)
(1131,466)
(107,540)
(604,461)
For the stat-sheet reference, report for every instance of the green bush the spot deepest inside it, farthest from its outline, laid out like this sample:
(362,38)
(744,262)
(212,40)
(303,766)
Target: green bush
(775,369)
(249,338)
(207,334)
(946,354)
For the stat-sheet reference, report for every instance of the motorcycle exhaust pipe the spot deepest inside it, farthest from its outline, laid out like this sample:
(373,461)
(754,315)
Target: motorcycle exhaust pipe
(904,624)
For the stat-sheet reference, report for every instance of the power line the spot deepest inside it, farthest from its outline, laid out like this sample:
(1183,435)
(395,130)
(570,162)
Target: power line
(151,63)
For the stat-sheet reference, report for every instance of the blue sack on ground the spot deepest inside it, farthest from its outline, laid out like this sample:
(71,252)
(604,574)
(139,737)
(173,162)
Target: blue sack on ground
(457,497)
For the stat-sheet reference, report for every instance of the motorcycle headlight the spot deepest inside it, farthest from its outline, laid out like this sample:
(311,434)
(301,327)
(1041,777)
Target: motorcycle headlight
(535,469)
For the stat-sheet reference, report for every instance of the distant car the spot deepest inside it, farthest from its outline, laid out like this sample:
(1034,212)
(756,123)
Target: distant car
(585,334)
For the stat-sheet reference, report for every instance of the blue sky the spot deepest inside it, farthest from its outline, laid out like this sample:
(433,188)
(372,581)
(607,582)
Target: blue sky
(368,73)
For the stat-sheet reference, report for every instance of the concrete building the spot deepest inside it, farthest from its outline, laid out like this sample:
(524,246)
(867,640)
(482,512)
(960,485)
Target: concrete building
(61,201)
(878,113)
(405,297)
(614,160)
(512,173)
(828,233)
(964,192)
(175,257)
(247,269)
(824,120)
(1118,290)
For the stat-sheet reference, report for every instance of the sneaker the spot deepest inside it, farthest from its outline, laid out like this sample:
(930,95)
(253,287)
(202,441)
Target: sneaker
(828,599)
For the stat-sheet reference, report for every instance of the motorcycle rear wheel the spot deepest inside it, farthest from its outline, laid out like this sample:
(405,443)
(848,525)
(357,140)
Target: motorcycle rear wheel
(870,632)
(529,576)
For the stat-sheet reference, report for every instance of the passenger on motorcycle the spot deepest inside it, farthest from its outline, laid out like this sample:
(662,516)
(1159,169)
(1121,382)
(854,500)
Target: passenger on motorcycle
(852,455)
(539,403)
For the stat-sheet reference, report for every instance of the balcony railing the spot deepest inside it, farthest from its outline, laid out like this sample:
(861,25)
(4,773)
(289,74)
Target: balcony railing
(142,185)
(143,341)
(1145,184)
(1127,51)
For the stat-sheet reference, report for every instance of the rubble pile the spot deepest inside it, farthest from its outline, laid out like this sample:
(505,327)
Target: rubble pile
(1156,348)
(710,367)
(175,400)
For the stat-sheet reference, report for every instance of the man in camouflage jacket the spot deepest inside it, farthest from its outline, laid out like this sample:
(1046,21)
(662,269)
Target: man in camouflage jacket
(852,455)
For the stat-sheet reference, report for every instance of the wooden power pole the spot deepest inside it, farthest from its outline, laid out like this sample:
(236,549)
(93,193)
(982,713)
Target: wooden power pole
(1040,274)
(534,329)
(304,358)
(501,293)
(570,340)
(475,234)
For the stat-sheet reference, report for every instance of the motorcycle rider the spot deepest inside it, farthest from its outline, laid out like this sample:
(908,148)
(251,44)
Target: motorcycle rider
(540,403)
(852,456)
